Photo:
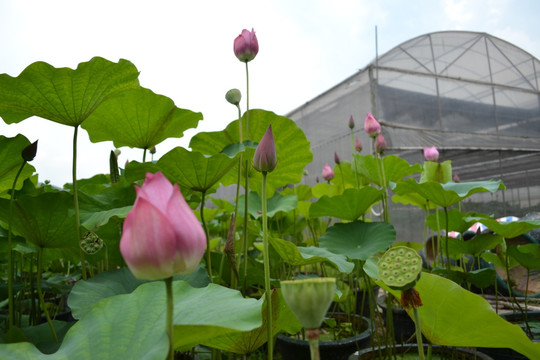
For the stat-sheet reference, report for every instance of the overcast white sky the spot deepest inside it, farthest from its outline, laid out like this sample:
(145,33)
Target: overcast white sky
(183,49)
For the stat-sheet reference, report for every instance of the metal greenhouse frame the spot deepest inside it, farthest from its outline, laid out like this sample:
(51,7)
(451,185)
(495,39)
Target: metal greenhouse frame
(472,95)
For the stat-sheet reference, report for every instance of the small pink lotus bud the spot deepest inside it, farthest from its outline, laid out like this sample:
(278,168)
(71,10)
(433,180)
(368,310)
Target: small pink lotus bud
(161,235)
(336,158)
(351,123)
(246,46)
(456,178)
(431,154)
(380,144)
(358,145)
(372,126)
(327,172)
(265,158)
(153,150)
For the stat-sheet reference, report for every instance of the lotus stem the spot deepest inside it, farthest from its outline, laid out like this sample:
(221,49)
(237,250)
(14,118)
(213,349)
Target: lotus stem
(169,320)
(266,255)
(205,227)
(418,333)
(313,339)
(76,203)
(10,251)
(40,293)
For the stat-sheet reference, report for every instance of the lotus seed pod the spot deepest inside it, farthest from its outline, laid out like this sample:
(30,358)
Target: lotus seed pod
(91,243)
(400,268)
(309,299)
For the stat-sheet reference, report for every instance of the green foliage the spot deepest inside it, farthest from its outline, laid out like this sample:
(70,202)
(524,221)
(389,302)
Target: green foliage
(11,161)
(351,205)
(293,151)
(395,168)
(277,203)
(476,325)
(63,95)
(358,240)
(299,255)
(138,118)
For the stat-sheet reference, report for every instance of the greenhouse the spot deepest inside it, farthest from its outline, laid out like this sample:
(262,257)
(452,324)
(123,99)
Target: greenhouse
(473,96)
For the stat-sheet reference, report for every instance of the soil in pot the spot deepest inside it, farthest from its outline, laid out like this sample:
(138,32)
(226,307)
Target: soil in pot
(410,351)
(533,319)
(352,336)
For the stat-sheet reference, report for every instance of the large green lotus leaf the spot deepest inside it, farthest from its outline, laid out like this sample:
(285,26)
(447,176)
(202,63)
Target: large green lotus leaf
(63,95)
(507,229)
(358,240)
(299,255)
(292,147)
(349,206)
(453,316)
(474,246)
(447,194)
(135,171)
(395,168)
(344,176)
(528,255)
(139,118)
(116,282)
(11,161)
(246,342)
(277,203)
(45,220)
(194,170)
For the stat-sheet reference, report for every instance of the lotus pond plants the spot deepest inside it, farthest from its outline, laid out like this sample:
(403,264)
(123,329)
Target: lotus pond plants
(210,251)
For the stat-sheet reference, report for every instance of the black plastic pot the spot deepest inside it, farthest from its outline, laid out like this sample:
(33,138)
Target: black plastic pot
(295,349)
(509,354)
(445,352)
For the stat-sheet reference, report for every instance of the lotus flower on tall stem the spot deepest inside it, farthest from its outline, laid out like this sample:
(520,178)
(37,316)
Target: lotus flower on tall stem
(265,161)
(162,237)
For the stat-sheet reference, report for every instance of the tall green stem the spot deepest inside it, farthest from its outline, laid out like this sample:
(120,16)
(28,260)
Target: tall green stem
(10,251)
(169,319)
(446,236)
(418,333)
(247,100)
(354,160)
(144,155)
(208,255)
(313,339)
(76,202)
(267,270)
(40,293)
(245,227)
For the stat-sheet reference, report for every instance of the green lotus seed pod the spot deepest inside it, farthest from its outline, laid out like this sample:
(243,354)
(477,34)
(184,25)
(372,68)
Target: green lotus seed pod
(91,243)
(309,299)
(400,268)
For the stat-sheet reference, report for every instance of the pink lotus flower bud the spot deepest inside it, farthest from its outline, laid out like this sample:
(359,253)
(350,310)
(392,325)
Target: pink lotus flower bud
(351,123)
(246,46)
(327,172)
(431,154)
(358,145)
(265,158)
(336,158)
(380,144)
(456,178)
(161,236)
(372,126)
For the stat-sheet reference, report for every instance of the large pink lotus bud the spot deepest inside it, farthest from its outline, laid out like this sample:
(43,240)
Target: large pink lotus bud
(265,158)
(351,123)
(161,236)
(327,172)
(372,126)
(246,46)
(431,153)
(357,145)
(380,144)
